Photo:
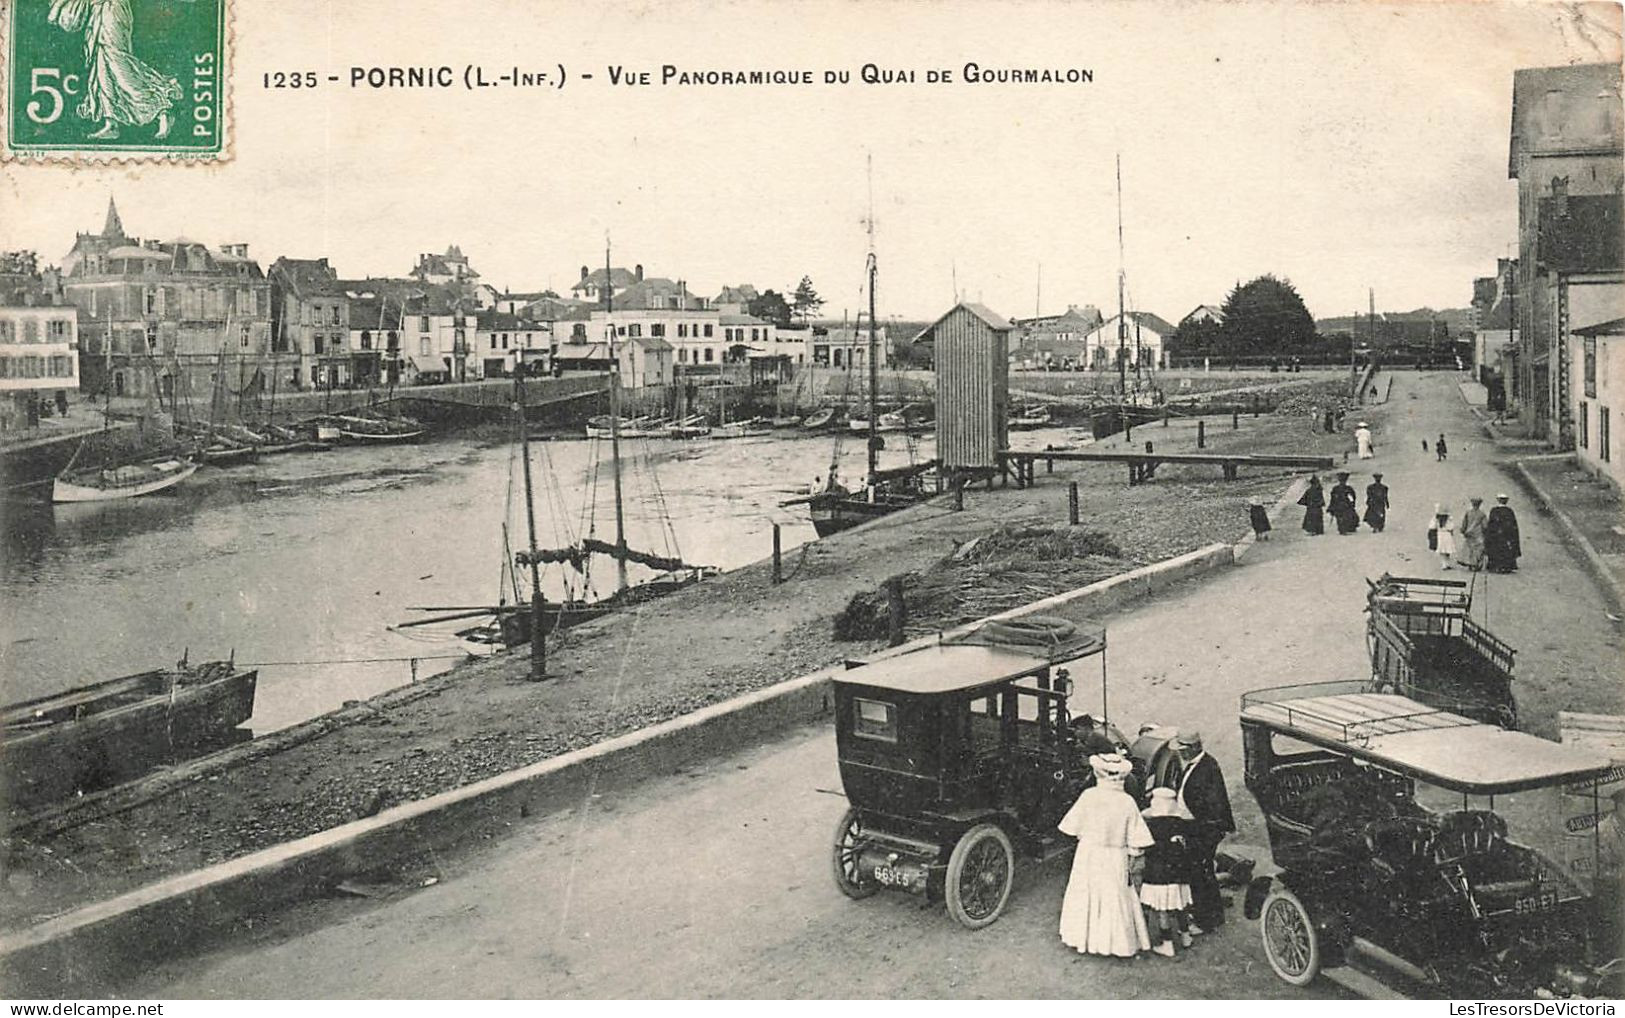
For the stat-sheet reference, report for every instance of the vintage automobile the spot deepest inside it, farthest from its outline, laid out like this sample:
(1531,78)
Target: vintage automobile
(1422,638)
(1422,846)
(956,759)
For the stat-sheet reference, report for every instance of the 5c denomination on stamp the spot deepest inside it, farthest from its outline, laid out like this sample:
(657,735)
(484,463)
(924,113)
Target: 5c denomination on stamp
(105,80)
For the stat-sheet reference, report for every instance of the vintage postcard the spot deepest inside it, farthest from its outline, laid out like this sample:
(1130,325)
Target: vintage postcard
(820,499)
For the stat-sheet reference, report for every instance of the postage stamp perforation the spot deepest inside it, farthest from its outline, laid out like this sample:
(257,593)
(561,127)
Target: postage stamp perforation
(105,147)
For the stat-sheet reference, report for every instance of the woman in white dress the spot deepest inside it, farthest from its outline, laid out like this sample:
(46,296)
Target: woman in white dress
(1100,913)
(1445,536)
(1362,440)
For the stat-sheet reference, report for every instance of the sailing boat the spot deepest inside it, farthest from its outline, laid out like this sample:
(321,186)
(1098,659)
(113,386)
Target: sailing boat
(107,482)
(513,624)
(885,491)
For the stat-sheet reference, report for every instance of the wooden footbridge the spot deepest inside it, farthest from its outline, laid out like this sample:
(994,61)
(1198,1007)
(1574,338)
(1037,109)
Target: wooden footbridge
(1142,466)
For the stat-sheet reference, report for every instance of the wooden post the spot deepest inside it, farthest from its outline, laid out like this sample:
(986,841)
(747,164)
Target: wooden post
(1072,504)
(959,493)
(1201,434)
(778,570)
(895,615)
(1235,420)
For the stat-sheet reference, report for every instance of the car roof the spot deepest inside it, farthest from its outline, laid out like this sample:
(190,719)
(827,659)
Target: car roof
(945,668)
(1436,746)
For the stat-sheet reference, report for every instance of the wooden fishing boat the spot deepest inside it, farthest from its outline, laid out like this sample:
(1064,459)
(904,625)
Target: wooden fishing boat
(56,746)
(1030,419)
(689,427)
(819,419)
(102,484)
(376,430)
(741,429)
(894,421)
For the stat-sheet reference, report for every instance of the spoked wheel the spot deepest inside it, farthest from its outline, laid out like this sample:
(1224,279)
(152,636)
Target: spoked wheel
(980,872)
(845,859)
(1291,942)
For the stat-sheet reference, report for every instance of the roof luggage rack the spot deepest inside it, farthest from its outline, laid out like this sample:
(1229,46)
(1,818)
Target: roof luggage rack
(1349,712)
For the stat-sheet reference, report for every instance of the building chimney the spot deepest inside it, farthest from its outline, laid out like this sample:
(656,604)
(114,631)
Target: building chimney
(637,271)
(583,273)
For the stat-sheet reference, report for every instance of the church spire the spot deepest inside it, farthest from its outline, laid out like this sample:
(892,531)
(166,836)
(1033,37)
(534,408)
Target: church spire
(114,227)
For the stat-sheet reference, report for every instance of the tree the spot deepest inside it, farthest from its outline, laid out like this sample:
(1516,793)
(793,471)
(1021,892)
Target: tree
(1195,337)
(1265,316)
(805,302)
(771,306)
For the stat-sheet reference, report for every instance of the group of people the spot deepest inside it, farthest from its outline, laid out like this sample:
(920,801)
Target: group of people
(1144,878)
(1482,540)
(1341,506)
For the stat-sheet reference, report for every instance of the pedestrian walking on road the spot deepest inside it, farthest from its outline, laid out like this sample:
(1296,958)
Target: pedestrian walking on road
(1201,792)
(1442,536)
(1341,506)
(1313,501)
(1260,520)
(1376,504)
(1362,441)
(1473,523)
(1501,544)
(1439,447)
(1101,913)
(1165,885)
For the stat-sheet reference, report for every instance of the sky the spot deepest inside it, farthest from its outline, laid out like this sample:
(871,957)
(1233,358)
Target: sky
(1343,146)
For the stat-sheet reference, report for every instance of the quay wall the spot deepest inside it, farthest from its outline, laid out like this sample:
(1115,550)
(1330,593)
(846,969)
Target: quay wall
(79,951)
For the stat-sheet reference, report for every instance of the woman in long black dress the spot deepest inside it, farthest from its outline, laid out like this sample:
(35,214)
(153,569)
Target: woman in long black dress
(1341,507)
(1314,503)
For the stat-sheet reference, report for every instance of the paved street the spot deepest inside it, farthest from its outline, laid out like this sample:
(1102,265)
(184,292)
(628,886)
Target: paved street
(716,882)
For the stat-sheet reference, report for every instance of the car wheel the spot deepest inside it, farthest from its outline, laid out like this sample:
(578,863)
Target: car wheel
(845,858)
(980,872)
(1291,942)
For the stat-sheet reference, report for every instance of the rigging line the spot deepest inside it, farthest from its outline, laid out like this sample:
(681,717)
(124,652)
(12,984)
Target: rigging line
(354,660)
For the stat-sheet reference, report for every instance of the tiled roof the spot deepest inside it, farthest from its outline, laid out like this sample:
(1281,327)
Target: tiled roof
(731,319)
(619,278)
(491,321)
(652,343)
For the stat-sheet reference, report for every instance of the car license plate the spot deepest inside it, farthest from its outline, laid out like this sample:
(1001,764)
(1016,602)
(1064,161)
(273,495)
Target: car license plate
(891,877)
(1535,903)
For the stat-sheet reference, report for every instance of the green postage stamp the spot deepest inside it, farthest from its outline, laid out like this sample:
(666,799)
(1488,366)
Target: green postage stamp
(108,80)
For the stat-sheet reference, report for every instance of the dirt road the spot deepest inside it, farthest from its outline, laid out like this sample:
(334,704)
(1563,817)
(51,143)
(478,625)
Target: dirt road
(715,882)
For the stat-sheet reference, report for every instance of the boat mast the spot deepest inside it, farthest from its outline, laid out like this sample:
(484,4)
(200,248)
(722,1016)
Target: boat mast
(874,366)
(615,422)
(538,626)
(1122,324)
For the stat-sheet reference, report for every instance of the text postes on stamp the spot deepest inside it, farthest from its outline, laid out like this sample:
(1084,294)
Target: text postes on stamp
(100,80)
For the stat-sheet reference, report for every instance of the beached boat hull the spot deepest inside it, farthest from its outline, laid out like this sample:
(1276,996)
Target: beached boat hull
(57,746)
(104,485)
(832,514)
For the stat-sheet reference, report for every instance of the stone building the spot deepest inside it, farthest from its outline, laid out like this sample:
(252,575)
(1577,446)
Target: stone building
(39,362)
(1565,153)
(167,318)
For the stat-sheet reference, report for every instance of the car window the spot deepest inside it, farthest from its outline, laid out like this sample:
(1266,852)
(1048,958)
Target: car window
(874,719)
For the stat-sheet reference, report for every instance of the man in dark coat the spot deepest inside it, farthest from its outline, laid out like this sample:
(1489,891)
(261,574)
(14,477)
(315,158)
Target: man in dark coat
(1376,504)
(1341,506)
(1202,792)
(1501,544)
